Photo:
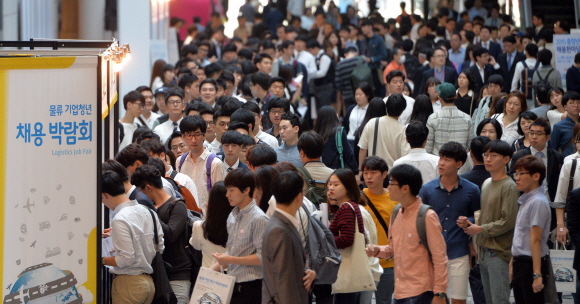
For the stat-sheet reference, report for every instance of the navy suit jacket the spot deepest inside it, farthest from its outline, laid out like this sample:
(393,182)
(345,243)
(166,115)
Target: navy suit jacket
(508,75)
(494,49)
(142,198)
(488,70)
(450,76)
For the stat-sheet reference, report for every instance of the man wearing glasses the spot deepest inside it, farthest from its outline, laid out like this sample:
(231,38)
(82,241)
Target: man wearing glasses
(175,106)
(494,229)
(133,103)
(562,137)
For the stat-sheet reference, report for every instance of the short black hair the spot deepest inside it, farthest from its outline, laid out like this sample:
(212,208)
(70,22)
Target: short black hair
(396,104)
(407,175)
(143,88)
(279,102)
(375,163)
(132,97)
(238,125)
(187,80)
(206,109)
(260,155)
(262,79)
(241,178)
(544,123)
(493,122)
(529,115)
(576,57)
(245,54)
(542,92)
(130,154)
(195,106)
(115,166)
(142,134)
(174,91)
(232,137)
(153,146)
(570,95)
(250,106)
(173,136)
(496,79)
(227,76)
(157,164)
(286,186)
(510,39)
(476,147)
(294,121)
(112,184)
(259,57)
(243,115)
(312,144)
(395,73)
(478,51)
(277,79)
(350,49)
(416,133)
(212,69)
(545,56)
(209,80)
(500,147)
(453,150)
(230,47)
(247,141)
(532,49)
(312,43)
(147,175)
(192,124)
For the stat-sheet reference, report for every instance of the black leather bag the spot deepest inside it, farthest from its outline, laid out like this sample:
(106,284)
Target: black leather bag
(163,291)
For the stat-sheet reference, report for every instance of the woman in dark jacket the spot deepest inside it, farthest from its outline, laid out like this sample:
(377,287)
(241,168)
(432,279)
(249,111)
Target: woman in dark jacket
(327,126)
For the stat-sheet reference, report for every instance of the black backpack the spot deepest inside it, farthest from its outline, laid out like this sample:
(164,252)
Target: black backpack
(543,81)
(195,256)
(528,79)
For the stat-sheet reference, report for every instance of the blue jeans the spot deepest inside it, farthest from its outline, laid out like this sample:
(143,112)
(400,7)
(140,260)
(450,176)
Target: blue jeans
(181,290)
(494,277)
(366,297)
(476,286)
(386,286)
(424,298)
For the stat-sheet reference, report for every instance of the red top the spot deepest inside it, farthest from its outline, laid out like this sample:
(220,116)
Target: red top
(342,226)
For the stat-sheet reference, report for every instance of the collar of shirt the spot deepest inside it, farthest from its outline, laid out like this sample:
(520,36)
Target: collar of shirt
(413,206)
(522,200)
(417,151)
(286,147)
(513,54)
(534,151)
(441,186)
(480,69)
(290,217)
(234,167)
(169,121)
(170,170)
(203,156)
(131,190)
(469,93)
(237,212)
(461,50)
(123,205)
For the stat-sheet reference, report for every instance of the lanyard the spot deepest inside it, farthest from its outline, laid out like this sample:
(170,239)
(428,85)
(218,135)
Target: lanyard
(442,74)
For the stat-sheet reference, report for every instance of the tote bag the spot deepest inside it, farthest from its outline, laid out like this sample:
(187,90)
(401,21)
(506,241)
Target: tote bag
(212,287)
(564,273)
(354,274)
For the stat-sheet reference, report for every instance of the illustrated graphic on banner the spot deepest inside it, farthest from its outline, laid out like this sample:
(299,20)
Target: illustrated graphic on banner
(564,274)
(565,47)
(48,215)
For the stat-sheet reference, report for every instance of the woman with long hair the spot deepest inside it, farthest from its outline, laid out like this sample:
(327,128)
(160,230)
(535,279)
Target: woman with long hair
(157,75)
(422,109)
(466,100)
(557,112)
(431,92)
(263,193)
(335,48)
(497,103)
(327,126)
(211,234)
(355,114)
(515,104)
(524,122)
(375,109)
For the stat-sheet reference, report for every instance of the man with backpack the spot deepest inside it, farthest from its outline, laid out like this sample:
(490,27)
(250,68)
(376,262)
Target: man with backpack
(546,73)
(349,73)
(380,206)
(315,172)
(418,255)
(524,73)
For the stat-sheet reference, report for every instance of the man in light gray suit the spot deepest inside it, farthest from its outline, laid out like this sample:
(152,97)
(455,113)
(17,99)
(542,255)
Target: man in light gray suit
(286,278)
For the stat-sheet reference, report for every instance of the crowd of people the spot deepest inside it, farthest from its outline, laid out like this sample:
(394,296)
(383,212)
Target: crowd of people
(440,154)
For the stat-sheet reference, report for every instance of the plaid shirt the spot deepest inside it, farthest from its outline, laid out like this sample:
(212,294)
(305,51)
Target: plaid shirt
(449,124)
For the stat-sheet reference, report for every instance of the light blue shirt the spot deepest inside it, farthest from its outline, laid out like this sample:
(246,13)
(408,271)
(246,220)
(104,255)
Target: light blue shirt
(290,154)
(534,211)
(457,58)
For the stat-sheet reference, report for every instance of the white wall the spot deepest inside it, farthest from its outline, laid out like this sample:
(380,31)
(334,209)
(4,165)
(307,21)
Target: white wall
(92,20)
(9,20)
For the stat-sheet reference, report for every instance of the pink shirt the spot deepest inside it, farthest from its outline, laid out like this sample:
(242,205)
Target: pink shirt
(414,271)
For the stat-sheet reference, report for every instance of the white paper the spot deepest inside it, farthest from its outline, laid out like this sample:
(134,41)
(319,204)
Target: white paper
(107,248)
(302,109)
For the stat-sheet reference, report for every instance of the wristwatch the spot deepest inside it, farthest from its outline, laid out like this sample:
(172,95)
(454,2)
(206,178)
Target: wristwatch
(442,295)
(536,275)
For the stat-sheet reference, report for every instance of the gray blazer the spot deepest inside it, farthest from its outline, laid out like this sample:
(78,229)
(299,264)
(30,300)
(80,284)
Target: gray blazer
(283,263)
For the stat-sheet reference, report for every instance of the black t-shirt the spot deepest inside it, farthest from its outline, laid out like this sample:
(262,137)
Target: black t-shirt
(173,217)
(463,103)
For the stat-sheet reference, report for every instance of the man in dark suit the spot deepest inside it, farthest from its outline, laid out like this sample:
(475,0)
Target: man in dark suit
(286,279)
(425,56)
(540,31)
(539,136)
(484,64)
(485,36)
(508,61)
(440,70)
(478,174)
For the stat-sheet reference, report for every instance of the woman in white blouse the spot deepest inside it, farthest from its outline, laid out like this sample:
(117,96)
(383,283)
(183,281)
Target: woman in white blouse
(210,235)
(557,113)
(515,103)
(355,114)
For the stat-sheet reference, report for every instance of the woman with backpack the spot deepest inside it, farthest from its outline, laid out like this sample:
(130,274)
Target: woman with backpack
(337,151)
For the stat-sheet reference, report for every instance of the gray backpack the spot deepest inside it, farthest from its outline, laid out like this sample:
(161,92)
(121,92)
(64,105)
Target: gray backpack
(421,230)
(324,257)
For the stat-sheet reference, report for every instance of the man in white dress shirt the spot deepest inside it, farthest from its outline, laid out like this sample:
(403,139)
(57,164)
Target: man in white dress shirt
(175,107)
(303,56)
(418,157)
(147,117)
(396,83)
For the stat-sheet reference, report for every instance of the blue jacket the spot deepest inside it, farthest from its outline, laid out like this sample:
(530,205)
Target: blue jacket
(331,157)
(375,49)
(573,79)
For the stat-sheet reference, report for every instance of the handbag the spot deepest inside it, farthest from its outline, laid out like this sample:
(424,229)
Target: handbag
(563,270)
(163,291)
(212,287)
(354,274)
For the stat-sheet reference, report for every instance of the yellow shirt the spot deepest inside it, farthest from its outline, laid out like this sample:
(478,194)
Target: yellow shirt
(385,206)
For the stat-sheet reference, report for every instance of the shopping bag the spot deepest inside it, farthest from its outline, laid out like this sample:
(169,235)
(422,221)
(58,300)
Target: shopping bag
(212,287)
(564,274)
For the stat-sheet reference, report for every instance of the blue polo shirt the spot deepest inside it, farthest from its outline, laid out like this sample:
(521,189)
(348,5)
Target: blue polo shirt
(561,134)
(462,200)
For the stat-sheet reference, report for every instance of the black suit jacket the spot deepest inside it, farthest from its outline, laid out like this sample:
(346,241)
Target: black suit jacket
(450,76)
(573,223)
(494,48)
(555,161)
(488,70)
(477,175)
(142,198)
(508,75)
(542,34)
(418,78)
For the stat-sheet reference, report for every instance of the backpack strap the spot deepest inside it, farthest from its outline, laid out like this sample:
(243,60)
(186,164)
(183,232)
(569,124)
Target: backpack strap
(183,157)
(394,213)
(121,132)
(566,145)
(338,140)
(155,237)
(376,212)
(375,137)
(208,169)
(305,174)
(143,122)
(173,174)
(421,229)
(549,72)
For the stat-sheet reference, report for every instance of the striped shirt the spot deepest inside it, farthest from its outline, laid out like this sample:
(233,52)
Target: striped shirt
(342,226)
(343,78)
(449,124)
(245,230)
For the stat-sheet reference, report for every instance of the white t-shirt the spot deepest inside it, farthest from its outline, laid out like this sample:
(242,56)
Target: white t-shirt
(149,121)
(356,118)
(205,246)
(128,130)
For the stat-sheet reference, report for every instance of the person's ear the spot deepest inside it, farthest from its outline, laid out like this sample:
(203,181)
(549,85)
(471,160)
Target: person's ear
(385,174)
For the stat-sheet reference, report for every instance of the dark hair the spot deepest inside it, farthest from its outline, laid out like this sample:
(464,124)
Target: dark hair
(218,210)
(529,115)
(262,79)
(312,144)
(395,73)
(206,109)
(242,179)
(250,106)
(115,166)
(453,150)
(376,108)
(232,137)
(542,122)
(494,122)
(279,102)
(326,122)
(570,95)
(500,147)
(258,58)
(243,115)
(476,147)
(416,133)
(212,69)
(277,79)
(130,154)
(264,176)
(189,49)
(538,15)
(521,98)
(111,183)
(132,97)
(533,165)
(147,175)
(396,104)
(260,155)
(227,76)
(173,136)
(294,121)
(312,43)
(471,78)
(174,91)
(143,88)
(577,58)
(209,80)
(510,39)
(153,146)
(430,81)
(348,180)
(407,175)
(422,109)
(244,54)
(496,79)
(375,163)
(545,56)
(478,51)
(367,89)
(286,186)
(157,164)
(192,124)
(532,49)
(143,133)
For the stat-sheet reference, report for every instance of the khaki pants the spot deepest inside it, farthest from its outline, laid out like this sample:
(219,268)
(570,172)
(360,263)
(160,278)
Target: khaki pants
(133,289)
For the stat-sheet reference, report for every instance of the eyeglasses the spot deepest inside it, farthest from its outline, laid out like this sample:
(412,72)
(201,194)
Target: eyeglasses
(209,123)
(224,124)
(277,112)
(140,105)
(573,102)
(181,147)
(190,135)
(174,102)
(519,174)
(490,156)
(533,134)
